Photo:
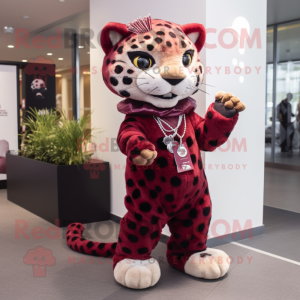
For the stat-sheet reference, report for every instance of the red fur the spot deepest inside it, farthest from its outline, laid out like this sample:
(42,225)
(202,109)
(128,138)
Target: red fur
(195,27)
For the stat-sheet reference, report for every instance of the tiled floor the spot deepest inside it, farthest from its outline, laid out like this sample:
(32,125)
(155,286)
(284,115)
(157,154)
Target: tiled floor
(75,276)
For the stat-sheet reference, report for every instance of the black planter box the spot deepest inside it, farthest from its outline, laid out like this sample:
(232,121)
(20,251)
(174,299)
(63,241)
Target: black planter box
(78,193)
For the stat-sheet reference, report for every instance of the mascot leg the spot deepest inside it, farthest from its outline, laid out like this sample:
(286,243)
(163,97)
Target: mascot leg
(187,250)
(133,265)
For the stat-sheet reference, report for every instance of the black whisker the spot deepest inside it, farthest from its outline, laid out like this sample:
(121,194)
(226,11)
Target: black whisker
(198,89)
(135,86)
(152,91)
(204,83)
(128,77)
(148,74)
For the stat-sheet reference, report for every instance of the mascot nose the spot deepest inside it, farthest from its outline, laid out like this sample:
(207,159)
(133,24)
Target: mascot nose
(173,81)
(173,74)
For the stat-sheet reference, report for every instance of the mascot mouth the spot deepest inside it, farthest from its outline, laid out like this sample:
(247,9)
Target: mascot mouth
(167,96)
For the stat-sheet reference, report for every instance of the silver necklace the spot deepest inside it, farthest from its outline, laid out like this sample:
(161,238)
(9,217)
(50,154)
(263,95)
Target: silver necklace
(169,140)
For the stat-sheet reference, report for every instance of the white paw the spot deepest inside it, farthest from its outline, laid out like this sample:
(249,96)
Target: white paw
(208,264)
(137,274)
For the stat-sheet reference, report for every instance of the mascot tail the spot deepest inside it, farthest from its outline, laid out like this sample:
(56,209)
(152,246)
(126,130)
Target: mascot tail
(81,245)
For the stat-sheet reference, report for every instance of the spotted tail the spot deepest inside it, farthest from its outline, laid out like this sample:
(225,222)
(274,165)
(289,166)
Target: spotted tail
(77,243)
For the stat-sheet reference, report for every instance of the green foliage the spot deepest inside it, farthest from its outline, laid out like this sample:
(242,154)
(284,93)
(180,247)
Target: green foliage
(51,138)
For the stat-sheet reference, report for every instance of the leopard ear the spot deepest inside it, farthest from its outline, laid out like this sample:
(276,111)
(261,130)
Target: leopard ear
(111,34)
(196,33)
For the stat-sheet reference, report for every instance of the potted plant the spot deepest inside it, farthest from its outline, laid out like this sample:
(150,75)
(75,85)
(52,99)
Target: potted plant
(54,176)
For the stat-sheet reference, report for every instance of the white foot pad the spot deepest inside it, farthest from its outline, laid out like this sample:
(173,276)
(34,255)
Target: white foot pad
(137,274)
(208,264)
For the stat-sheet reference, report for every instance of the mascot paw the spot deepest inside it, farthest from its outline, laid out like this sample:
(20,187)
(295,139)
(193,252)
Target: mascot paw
(208,264)
(137,274)
(230,101)
(145,158)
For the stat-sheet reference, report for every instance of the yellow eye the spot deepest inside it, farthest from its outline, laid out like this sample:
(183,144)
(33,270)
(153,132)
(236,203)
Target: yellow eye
(142,62)
(186,59)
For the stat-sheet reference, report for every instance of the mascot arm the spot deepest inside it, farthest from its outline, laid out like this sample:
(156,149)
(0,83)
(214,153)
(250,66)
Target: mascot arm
(133,143)
(214,130)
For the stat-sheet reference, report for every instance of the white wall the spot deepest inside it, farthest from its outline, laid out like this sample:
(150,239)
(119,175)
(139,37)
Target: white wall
(107,119)
(238,194)
(8,107)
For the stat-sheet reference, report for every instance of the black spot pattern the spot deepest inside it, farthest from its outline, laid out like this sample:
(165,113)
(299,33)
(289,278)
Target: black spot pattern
(124,93)
(131,225)
(187,223)
(205,128)
(183,44)
(160,144)
(200,164)
(142,182)
(134,46)
(143,230)
(142,250)
(158,40)
(162,162)
(193,213)
(206,211)
(150,174)
(173,35)
(130,182)
(145,207)
(120,50)
(126,250)
(160,33)
(101,246)
(227,134)
(167,25)
(139,217)
(201,201)
(197,133)
(169,44)
(114,81)
(169,197)
(189,141)
(160,210)
(133,238)
(127,80)
(206,191)
(128,199)
(154,234)
(118,69)
(107,61)
(193,158)
(147,37)
(201,227)
(184,244)
(175,181)
(90,245)
(114,246)
(163,179)
(150,47)
(154,220)
(195,181)
(158,188)
(213,143)
(153,194)
(136,194)
(130,71)
(210,115)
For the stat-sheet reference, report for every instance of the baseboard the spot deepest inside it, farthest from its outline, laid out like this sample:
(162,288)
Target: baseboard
(281,166)
(3,184)
(217,241)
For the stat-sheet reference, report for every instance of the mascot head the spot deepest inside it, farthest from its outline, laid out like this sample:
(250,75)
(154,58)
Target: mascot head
(153,61)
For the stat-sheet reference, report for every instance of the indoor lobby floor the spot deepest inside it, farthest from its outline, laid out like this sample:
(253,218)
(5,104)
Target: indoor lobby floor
(261,268)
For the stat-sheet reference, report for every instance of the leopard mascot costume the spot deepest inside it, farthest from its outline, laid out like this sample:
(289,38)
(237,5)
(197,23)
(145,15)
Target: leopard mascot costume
(155,65)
